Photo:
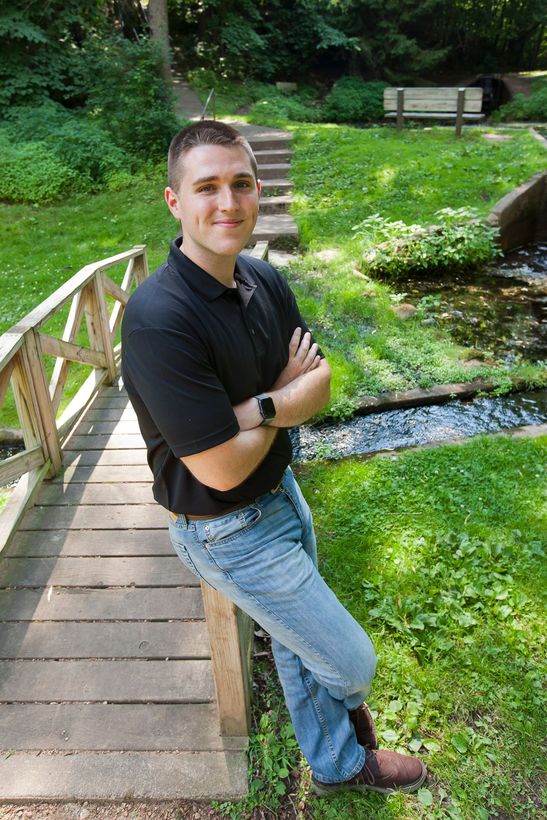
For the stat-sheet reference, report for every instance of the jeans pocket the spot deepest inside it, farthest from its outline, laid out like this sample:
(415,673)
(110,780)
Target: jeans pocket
(184,556)
(224,530)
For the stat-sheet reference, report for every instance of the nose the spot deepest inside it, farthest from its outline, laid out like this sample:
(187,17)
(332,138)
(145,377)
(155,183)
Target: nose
(227,200)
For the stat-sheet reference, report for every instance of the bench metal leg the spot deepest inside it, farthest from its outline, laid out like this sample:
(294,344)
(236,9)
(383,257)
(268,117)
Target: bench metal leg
(459,112)
(400,104)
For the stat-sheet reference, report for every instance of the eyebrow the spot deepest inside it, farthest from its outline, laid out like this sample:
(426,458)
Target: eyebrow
(240,175)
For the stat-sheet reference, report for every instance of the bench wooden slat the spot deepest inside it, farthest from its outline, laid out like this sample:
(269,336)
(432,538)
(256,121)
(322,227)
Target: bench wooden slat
(417,115)
(115,681)
(152,571)
(84,604)
(472,107)
(439,94)
(145,639)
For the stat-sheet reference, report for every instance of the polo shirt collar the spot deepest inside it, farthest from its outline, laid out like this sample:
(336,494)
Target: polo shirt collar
(201,281)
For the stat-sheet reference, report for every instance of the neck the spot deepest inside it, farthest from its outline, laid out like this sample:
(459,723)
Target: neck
(220,268)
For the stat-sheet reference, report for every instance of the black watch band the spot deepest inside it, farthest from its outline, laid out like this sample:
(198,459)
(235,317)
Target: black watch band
(266,407)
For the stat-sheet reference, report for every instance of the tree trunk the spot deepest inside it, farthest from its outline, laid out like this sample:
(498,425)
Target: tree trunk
(159,31)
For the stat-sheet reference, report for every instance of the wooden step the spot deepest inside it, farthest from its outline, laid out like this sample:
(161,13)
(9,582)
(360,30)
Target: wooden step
(272,142)
(123,776)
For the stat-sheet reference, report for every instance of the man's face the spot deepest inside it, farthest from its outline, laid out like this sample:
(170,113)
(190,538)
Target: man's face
(216,202)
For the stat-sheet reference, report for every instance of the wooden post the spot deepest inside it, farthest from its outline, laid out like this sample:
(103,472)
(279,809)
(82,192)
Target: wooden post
(37,379)
(459,113)
(400,105)
(140,269)
(98,325)
(231,639)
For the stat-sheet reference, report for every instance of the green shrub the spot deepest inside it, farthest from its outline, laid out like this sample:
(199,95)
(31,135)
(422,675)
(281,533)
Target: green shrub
(533,107)
(77,142)
(457,241)
(275,105)
(32,172)
(353,100)
(129,97)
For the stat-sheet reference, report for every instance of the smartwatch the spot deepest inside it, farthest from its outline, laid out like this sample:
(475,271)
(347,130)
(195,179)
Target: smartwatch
(266,407)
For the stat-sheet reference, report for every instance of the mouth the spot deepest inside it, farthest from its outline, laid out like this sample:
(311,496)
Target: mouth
(229,223)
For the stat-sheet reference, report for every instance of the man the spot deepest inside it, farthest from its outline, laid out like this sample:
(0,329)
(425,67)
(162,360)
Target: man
(218,363)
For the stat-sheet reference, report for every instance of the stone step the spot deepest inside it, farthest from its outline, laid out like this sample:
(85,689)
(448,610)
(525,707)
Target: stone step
(275,204)
(273,155)
(272,142)
(278,170)
(280,230)
(273,187)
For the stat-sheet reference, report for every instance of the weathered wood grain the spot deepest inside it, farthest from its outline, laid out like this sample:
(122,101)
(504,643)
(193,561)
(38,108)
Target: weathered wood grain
(112,681)
(111,727)
(106,458)
(90,542)
(159,571)
(123,776)
(104,474)
(105,494)
(145,516)
(185,639)
(87,604)
(113,442)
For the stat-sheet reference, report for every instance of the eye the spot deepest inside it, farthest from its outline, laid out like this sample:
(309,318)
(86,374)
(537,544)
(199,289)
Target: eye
(243,183)
(205,189)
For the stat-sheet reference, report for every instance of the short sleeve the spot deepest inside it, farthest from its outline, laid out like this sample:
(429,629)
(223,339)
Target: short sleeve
(170,373)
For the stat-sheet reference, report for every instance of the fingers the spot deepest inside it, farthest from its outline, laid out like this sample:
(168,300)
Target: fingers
(295,342)
(303,348)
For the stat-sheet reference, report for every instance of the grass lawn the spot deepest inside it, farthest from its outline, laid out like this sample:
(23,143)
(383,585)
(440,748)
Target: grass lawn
(438,554)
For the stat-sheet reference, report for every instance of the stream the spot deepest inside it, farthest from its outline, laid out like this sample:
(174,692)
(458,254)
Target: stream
(502,313)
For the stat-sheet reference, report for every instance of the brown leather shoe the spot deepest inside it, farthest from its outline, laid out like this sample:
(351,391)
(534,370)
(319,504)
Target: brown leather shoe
(383,772)
(364,726)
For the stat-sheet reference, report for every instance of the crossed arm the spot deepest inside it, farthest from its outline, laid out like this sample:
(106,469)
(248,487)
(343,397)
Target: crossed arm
(302,388)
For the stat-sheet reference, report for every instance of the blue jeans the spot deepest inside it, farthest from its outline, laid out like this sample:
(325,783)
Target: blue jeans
(264,558)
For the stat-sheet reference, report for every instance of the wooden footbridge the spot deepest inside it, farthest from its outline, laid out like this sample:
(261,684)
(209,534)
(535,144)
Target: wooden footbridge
(120,678)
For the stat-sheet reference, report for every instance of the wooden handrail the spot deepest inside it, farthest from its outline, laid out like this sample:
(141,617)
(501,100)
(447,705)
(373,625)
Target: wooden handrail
(37,399)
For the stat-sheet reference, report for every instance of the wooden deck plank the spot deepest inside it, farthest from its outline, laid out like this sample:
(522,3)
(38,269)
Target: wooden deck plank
(149,571)
(102,428)
(113,681)
(84,604)
(110,639)
(103,474)
(108,413)
(113,727)
(90,542)
(113,442)
(97,517)
(123,776)
(111,458)
(106,494)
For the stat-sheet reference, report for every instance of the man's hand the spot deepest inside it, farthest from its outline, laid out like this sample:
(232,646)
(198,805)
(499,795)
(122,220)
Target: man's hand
(302,359)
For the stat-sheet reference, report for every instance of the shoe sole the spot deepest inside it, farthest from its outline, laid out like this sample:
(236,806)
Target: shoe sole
(324,789)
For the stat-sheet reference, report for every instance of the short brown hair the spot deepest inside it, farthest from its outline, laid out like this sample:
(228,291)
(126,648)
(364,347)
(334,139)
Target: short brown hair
(204,132)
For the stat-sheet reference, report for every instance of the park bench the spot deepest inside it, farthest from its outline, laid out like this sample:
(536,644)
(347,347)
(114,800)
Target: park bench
(434,103)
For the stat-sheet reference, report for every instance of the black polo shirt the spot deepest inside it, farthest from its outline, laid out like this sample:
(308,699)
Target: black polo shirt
(192,348)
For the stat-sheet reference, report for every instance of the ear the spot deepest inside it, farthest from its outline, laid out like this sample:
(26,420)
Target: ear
(258,186)
(173,203)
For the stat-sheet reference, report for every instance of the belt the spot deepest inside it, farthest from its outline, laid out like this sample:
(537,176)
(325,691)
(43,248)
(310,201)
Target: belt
(191,517)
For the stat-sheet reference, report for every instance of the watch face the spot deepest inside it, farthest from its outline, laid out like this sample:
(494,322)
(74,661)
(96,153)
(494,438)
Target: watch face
(267,408)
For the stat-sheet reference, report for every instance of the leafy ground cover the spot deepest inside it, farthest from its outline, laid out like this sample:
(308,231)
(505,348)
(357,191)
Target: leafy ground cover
(344,176)
(438,554)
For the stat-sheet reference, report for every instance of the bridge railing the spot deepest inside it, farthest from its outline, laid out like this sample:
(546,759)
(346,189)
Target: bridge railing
(38,395)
